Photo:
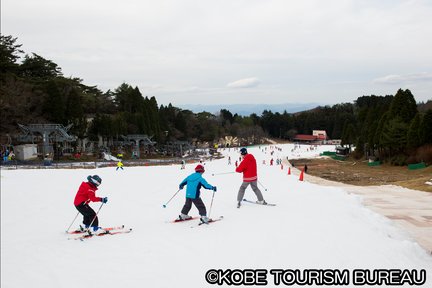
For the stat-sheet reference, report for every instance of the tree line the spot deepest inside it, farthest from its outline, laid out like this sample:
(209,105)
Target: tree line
(34,90)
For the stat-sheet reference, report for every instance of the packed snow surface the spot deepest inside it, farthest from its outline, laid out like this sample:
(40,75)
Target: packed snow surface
(312,227)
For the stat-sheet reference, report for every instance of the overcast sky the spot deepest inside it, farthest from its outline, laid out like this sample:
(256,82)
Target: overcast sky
(233,51)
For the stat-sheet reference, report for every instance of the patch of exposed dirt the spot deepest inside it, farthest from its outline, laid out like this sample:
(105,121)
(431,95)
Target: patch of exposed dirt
(359,173)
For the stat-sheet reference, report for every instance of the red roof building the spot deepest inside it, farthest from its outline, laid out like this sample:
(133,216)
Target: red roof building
(319,136)
(306,138)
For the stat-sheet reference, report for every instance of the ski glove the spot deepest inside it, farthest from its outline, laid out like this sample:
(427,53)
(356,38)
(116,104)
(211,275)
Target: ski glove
(181,187)
(104,200)
(214,188)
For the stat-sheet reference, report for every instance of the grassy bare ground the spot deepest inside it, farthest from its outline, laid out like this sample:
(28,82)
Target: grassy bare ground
(359,173)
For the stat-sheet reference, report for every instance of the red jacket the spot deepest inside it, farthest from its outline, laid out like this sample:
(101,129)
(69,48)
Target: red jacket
(249,168)
(86,193)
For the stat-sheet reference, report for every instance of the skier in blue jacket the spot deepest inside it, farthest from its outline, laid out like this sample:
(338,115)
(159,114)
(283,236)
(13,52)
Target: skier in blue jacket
(194,183)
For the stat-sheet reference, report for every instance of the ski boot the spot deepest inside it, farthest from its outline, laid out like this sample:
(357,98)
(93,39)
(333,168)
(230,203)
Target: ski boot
(205,219)
(98,231)
(183,217)
(82,228)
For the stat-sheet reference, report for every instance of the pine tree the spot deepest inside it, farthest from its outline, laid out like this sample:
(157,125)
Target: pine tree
(74,113)
(154,117)
(54,106)
(180,124)
(40,68)
(348,134)
(426,128)
(379,131)
(414,138)
(9,54)
(403,106)
(394,135)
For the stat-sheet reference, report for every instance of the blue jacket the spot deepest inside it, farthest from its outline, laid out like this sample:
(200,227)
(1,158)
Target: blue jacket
(194,183)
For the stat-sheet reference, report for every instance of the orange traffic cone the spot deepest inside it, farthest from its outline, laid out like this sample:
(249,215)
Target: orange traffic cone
(301,175)
(289,170)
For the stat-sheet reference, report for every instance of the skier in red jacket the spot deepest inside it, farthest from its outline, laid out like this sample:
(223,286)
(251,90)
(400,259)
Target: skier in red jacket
(249,169)
(87,193)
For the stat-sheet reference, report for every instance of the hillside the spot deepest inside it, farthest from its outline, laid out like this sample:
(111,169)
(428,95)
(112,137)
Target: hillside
(312,227)
(360,174)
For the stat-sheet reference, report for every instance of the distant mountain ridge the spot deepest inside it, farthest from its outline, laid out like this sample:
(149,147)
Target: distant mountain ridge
(247,109)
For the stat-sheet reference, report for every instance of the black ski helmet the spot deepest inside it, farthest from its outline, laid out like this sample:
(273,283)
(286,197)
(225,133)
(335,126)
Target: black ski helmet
(243,151)
(95,180)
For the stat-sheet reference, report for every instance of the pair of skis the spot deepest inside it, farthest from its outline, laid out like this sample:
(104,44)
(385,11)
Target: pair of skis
(211,220)
(81,235)
(82,230)
(220,217)
(254,202)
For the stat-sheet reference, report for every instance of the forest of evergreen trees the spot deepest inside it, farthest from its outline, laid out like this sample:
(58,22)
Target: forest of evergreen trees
(33,89)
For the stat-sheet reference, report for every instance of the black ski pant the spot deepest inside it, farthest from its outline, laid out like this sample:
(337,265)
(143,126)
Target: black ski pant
(89,214)
(199,204)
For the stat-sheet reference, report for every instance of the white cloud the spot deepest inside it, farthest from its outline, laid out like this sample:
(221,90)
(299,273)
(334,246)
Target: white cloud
(401,79)
(309,49)
(244,83)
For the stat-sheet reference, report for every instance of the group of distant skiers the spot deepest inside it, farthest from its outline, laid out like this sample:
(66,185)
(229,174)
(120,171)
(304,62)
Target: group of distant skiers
(248,166)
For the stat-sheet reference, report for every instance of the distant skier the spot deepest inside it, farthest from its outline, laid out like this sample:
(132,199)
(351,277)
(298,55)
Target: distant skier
(183,164)
(119,165)
(249,169)
(86,194)
(194,183)
(229,160)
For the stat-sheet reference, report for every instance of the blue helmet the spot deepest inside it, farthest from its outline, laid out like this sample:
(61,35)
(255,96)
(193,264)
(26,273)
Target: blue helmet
(95,180)
(243,151)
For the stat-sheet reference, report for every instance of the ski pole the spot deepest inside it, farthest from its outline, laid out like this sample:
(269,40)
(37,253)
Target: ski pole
(211,204)
(214,174)
(67,230)
(164,206)
(94,218)
(262,185)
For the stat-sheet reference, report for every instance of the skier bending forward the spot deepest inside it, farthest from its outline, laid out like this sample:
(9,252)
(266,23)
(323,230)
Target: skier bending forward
(86,193)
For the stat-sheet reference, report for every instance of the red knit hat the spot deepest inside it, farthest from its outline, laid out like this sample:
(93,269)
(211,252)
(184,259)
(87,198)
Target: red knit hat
(199,168)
